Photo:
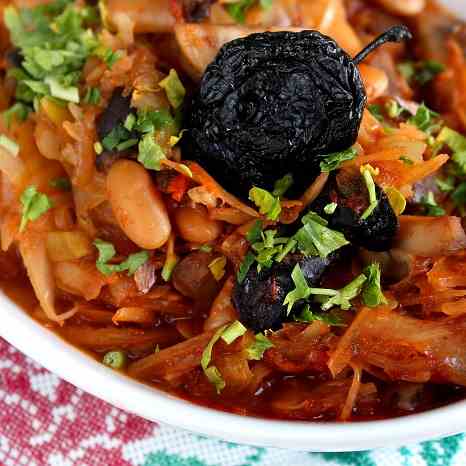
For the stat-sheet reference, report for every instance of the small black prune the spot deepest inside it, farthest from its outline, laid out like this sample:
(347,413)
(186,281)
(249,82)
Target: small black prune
(270,103)
(375,233)
(118,109)
(259,298)
(196,10)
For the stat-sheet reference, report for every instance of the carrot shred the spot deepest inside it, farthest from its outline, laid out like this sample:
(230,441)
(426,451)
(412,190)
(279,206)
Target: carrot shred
(177,187)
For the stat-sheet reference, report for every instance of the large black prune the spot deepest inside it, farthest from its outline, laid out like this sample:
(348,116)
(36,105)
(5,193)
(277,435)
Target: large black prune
(259,298)
(375,233)
(270,103)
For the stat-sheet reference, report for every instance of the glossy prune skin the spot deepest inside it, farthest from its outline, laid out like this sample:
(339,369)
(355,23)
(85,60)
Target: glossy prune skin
(259,298)
(271,103)
(375,233)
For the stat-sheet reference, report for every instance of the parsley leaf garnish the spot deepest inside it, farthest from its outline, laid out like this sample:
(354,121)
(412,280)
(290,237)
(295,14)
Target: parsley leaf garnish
(238,9)
(315,238)
(431,208)
(228,333)
(333,161)
(243,270)
(307,316)
(54,41)
(268,204)
(107,252)
(372,295)
(174,89)
(261,344)
(421,72)
(326,296)
(150,153)
(283,185)
(34,205)
(425,119)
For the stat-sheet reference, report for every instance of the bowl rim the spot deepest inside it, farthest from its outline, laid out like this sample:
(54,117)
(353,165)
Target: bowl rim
(74,366)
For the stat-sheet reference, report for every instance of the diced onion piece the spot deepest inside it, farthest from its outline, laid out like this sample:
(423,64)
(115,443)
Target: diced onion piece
(134,315)
(67,245)
(81,279)
(430,236)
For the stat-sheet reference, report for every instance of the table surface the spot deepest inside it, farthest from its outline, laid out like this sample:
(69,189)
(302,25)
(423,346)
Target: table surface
(46,421)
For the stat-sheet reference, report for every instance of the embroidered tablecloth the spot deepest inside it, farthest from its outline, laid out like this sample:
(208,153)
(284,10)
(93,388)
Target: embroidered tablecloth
(46,421)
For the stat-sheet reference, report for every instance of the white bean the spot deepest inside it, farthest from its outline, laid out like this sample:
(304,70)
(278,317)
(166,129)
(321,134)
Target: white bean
(137,205)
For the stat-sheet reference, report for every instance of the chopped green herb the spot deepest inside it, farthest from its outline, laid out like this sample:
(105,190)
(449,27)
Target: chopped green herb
(150,153)
(376,111)
(63,184)
(421,72)
(114,137)
(372,295)
(333,161)
(126,144)
(454,140)
(256,351)
(329,209)
(17,111)
(92,96)
(254,234)
(425,119)
(109,56)
(115,359)
(406,160)
(205,248)
(367,171)
(283,185)
(214,376)
(55,41)
(130,121)
(212,373)
(134,261)
(107,252)
(394,109)
(301,291)
(233,331)
(149,121)
(407,70)
(306,316)
(168,267)
(315,238)
(431,208)
(446,185)
(245,266)
(34,204)
(267,203)
(237,10)
(9,145)
(459,197)
(173,88)
(341,298)
(58,90)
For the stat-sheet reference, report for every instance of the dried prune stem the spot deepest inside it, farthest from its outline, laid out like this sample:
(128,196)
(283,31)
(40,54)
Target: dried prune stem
(394,34)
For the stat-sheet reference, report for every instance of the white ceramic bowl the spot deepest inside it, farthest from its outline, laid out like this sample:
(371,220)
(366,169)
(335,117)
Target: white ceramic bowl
(72,365)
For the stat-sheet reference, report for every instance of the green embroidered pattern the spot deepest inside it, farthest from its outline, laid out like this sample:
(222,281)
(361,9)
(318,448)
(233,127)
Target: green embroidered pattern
(162,458)
(358,458)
